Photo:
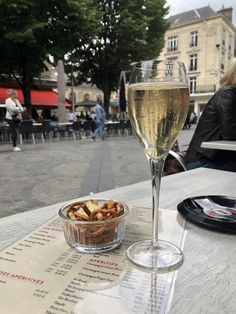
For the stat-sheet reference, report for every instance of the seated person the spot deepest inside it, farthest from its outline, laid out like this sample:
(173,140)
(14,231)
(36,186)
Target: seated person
(217,122)
(71,116)
(82,116)
(46,114)
(39,119)
(25,115)
(35,114)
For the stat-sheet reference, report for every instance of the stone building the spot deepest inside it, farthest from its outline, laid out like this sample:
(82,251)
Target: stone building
(205,41)
(79,94)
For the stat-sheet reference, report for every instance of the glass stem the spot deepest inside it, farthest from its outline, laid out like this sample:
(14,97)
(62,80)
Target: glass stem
(156,173)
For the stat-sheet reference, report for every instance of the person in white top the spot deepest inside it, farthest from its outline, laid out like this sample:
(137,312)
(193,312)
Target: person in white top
(71,116)
(13,115)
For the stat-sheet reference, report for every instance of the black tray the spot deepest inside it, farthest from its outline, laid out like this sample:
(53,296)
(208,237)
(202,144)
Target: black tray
(212,211)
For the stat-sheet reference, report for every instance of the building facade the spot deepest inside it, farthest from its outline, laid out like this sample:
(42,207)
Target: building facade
(80,93)
(205,41)
(76,93)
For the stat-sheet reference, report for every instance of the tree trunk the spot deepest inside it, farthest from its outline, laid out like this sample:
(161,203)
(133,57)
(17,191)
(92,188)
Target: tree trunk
(26,88)
(61,88)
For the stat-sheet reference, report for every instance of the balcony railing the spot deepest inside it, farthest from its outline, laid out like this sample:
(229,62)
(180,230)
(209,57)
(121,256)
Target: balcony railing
(193,44)
(193,68)
(201,89)
(171,49)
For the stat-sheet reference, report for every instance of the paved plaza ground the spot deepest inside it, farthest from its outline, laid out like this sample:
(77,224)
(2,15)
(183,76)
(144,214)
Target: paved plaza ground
(44,174)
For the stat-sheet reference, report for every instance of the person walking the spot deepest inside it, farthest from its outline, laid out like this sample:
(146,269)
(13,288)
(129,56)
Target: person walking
(100,117)
(13,116)
(217,122)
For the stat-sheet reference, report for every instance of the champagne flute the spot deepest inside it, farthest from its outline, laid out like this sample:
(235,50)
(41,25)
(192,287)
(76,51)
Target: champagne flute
(158,99)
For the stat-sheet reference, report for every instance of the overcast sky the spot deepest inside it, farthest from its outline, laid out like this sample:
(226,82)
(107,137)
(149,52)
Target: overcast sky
(179,6)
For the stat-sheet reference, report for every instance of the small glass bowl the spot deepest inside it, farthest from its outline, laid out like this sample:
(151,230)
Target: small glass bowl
(93,236)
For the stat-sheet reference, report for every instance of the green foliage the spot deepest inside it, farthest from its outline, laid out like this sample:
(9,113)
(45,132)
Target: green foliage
(130,30)
(98,37)
(71,25)
(18,39)
(32,29)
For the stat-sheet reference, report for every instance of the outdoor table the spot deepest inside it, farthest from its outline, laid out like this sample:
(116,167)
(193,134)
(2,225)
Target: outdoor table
(111,122)
(205,283)
(65,123)
(64,128)
(224,145)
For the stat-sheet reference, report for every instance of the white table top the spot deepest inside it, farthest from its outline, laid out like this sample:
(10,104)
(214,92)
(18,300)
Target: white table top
(224,145)
(65,123)
(112,122)
(206,281)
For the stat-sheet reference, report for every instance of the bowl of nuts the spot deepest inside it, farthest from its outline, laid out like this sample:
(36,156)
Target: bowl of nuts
(95,225)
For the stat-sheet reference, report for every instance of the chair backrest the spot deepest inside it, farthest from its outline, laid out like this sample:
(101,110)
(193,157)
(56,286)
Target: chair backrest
(122,124)
(87,126)
(179,158)
(26,127)
(76,126)
(128,125)
(46,125)
(174,163)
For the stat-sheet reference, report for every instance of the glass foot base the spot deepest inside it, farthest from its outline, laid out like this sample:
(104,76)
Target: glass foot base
(165,257)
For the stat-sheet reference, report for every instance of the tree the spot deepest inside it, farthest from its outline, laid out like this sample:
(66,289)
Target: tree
(131,30)
(20,55)
(71,25)
(32,29)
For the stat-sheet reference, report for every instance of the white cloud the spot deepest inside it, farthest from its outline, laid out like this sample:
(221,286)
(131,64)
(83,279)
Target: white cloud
(179,6)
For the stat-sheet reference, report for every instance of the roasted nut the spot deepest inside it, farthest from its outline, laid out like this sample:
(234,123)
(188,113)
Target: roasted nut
(91,210)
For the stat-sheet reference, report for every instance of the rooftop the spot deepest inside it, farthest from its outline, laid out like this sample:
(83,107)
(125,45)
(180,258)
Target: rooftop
(192,16)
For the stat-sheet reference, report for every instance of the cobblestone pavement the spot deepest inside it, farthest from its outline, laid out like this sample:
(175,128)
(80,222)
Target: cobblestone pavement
(44,174)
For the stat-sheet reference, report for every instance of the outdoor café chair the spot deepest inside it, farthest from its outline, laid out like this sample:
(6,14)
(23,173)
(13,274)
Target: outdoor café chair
(174,163)
(76,129)
(86,129)
(26,129)
(46,129)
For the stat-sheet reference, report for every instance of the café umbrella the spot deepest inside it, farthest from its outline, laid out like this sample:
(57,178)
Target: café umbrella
(87,104)
(122,97)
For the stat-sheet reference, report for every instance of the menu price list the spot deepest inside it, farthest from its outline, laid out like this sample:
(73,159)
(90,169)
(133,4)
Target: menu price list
(41,274)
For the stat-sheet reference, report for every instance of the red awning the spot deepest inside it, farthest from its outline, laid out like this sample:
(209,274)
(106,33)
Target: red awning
(40,99)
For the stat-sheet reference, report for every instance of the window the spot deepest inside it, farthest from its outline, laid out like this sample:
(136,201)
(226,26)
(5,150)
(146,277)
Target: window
(222,64)
(230,42)
(192,84)
(223,37)
(194,39)
(86,97)
(169,66)
(172,43)
(193,62)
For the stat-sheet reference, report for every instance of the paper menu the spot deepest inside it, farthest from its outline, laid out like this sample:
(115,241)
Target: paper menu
(41,274)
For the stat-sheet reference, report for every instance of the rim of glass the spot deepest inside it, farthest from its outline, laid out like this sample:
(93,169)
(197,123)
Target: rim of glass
(62,214)
(134,64)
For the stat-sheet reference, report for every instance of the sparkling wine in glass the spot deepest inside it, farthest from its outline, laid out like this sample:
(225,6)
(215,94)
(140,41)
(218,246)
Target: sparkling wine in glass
(158,100)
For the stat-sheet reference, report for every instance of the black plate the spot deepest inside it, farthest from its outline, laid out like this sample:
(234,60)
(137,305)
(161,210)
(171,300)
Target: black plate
(212,212)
